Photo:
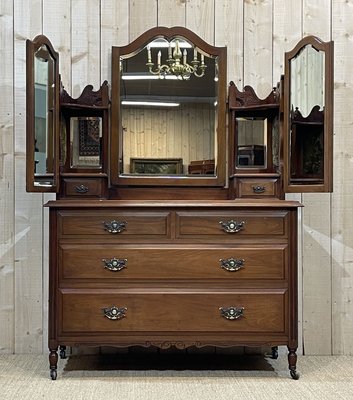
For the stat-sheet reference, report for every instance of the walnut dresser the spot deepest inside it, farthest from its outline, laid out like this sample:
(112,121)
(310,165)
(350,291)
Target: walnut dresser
(170,225)
(173,273)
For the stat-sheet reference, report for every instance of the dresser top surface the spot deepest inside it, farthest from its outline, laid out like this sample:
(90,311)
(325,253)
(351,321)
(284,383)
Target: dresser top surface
(231,204)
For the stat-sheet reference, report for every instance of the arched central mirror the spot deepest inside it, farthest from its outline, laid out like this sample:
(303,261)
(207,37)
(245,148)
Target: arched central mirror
(168,110)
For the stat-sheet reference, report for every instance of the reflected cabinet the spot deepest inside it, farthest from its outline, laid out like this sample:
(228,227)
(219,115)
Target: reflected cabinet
(170,226)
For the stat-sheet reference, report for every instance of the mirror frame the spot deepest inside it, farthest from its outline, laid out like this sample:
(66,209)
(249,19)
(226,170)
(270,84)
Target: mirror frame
(31,48)
(246,104)
(116,140)
(327,185)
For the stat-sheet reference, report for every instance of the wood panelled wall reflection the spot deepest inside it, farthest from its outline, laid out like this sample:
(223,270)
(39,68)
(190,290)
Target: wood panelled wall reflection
(186,132)
(257,33)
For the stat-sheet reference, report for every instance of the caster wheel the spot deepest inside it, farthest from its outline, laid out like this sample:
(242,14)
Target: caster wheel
(53,374)
(275,353)
(295,375)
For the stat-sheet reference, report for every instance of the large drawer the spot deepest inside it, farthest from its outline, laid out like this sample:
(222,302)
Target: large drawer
(230,224)
(109,262)
(114,223)
(84,312)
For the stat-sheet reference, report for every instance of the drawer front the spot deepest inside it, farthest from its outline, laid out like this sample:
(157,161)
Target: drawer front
(251,188)
(123,262)
(114,223)
(232,224)
(253,312)
(83,187)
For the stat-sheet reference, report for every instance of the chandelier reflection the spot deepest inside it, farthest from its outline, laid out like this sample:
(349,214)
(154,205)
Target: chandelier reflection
(176,63)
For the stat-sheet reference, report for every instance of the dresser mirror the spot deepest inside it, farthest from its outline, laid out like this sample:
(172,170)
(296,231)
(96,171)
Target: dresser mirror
(308,113)
(251,142)
(85,142)
(42,114)
(168,103)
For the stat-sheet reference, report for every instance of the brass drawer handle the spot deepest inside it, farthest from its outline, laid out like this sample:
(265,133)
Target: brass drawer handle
(115,312)
(114,226)
(232,264)
(232,226)
(259,189)
(232,313)
(81,189)
(115,264)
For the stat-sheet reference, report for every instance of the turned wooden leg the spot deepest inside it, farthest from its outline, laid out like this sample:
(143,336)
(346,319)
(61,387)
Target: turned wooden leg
(62,352)
(274,352)
(53,362)
(292,362)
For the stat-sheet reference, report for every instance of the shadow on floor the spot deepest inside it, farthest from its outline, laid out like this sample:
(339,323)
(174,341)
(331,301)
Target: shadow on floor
(161,362)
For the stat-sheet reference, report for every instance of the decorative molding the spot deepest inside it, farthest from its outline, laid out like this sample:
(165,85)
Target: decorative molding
(248,98)
(88,97)
(316,116)
(180,345)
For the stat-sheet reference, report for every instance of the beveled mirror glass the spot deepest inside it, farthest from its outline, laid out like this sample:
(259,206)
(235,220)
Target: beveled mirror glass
(85,142)
(309,115)
(169,94)
(42,115)
(251,142)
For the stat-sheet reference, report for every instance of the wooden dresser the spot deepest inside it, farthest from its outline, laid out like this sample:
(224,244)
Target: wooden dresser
(173,273)
(170,226)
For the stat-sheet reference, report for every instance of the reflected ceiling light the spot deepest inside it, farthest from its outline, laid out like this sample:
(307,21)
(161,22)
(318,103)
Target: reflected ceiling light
(176,64)
(163,44)
(133,77)
(149,103)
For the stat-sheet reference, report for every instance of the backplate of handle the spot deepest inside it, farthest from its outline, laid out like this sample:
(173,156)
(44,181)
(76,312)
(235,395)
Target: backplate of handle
(114,312)
(232,313)
(259,189)
(232,264)
(115,264)
(232,226)
(114,226)
(81,189)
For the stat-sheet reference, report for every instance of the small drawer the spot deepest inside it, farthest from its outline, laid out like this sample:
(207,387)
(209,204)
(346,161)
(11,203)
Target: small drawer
(114,223)
(228,225)
(86,187)
(108,262)
(102,312)
(257,187)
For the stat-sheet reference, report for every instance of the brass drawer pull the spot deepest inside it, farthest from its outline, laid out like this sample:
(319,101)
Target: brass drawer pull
(114,226)
(232,312)
(81,189)
(259,189)
(115,264)
(232,226)
(115,312)
(232,264)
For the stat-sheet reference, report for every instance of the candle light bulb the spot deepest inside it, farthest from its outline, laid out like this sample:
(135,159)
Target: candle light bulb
(159,55)
(169,51)
(149,54)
